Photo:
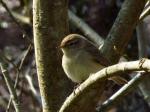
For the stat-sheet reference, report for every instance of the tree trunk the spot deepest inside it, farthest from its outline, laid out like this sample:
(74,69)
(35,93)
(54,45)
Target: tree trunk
(50,24)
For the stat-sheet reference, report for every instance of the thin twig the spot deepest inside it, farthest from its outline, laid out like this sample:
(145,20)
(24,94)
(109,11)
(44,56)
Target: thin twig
(142,49)
(146,11)
(32,88)
(3,57)
(18,72)
(10,87)
(132,84)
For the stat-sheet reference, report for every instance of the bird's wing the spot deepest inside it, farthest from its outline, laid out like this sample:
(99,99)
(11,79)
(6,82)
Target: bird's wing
(97,56)
(100,59)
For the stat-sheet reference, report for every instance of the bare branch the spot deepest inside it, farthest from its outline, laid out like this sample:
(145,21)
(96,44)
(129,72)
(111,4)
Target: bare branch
(18,72)
(122,30)
(73,100)
(10,88)
(142,48)
(132,84)
(146,11)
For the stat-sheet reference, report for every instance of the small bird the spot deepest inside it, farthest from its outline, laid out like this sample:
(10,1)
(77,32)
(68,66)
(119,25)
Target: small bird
(81,58)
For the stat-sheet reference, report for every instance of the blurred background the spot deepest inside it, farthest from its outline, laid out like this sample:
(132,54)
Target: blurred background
(15,49)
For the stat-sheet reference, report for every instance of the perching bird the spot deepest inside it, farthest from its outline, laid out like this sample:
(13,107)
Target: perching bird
(81,58)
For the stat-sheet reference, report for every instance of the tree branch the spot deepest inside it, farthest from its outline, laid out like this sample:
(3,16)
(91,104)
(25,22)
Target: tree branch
(132,84)
(142,48)
(122,29)
(80,93)
(139,78)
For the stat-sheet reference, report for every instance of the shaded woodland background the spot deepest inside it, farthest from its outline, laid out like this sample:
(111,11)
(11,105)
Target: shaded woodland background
(99,14)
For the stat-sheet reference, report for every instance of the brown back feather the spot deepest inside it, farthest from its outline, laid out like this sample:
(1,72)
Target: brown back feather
(97,56)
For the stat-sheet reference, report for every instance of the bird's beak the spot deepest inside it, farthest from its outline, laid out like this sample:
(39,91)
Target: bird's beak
(62,45)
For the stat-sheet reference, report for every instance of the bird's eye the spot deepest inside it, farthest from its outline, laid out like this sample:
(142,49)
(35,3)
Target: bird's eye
(73,43)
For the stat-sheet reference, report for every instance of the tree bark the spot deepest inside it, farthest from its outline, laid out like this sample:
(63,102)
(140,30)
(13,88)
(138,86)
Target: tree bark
(50,25)
(122,29)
